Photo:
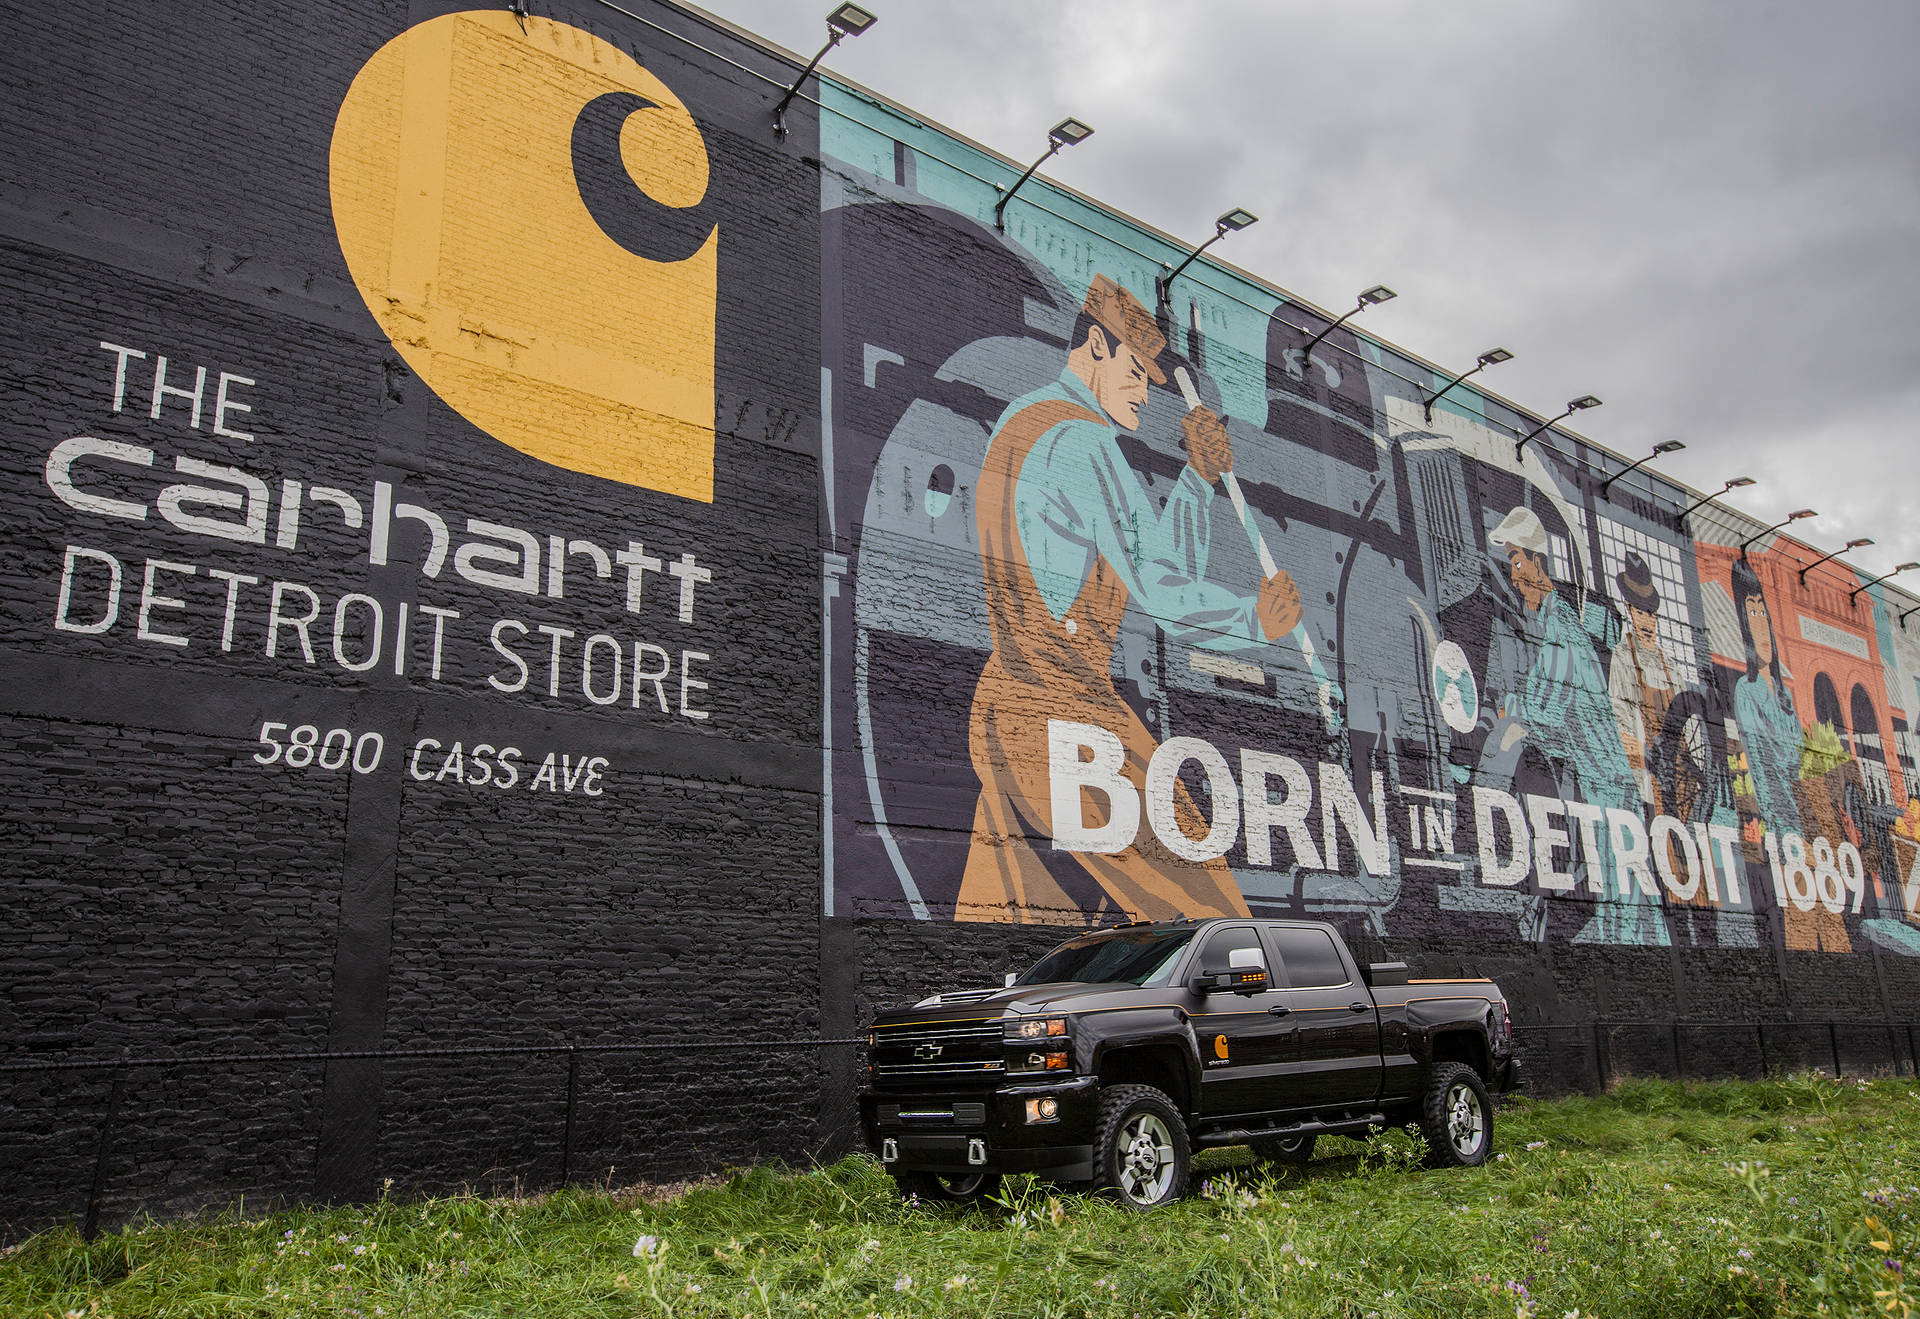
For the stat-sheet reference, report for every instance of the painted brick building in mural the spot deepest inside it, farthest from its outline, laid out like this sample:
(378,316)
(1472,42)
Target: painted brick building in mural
(509,550)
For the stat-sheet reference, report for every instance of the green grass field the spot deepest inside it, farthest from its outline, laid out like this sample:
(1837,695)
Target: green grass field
(1788,1197)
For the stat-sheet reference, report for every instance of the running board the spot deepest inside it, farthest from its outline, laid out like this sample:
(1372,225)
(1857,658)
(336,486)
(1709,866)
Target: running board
(1346,1126)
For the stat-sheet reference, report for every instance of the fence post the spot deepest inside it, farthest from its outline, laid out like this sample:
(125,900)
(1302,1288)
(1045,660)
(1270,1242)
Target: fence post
(1602,1071)
(1833,1040)
(90,1229)
(573,1092)
(1679,1058)
(1760,1036)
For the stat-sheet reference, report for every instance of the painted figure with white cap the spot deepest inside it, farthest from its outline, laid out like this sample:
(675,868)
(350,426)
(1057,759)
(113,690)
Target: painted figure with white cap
(1563,705)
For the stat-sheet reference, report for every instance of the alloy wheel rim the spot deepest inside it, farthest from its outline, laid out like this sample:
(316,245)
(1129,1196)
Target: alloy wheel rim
(1146,1158)
(1466,1126)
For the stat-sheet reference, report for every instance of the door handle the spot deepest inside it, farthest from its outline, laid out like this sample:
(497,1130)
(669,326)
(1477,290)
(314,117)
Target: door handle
(1359,1007)
(1280,1011)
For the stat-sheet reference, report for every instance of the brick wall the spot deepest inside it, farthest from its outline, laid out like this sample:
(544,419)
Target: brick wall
(196,596)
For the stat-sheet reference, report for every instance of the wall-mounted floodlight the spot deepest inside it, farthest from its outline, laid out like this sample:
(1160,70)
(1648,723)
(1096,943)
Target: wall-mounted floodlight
(1372,297)
(1733,483)
(1794,516)
(845,21)
(1231,222)
(1068,132)
(1574,405)
(1900,568)
(1850,545)
(1492,357)
(1665,446)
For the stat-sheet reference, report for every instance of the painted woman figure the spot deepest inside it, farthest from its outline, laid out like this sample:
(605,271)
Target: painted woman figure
(1762,705)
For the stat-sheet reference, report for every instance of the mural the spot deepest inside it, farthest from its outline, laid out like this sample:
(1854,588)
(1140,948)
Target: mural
(1142,602)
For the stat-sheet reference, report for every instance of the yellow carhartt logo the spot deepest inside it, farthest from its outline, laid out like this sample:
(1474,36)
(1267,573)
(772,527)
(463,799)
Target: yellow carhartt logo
(520,208)
(1219,1046)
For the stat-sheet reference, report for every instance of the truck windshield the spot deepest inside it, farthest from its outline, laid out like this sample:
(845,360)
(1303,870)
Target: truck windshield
(1143,957)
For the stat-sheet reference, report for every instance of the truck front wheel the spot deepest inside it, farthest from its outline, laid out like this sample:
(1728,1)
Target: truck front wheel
(947,1188)
(1456,1117)
(1140,1151)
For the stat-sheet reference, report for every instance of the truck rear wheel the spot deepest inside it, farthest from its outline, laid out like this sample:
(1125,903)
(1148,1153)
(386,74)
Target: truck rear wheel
(1140,1150)
(1456,1117)
(1296,1150)
(948,1187)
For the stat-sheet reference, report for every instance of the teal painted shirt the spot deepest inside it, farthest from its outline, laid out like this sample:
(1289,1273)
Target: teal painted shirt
(1076,501)
(1564,700)
(1770,732)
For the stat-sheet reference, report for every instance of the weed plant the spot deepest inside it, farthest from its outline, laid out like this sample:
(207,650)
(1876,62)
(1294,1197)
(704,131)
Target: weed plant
(1785,1197)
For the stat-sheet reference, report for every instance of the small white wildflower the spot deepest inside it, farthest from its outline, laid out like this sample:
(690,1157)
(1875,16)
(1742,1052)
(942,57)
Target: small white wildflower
(956,1282)
(903,1283)
(359,1250)
(1536,1144)
(646,1246)
(339,1268)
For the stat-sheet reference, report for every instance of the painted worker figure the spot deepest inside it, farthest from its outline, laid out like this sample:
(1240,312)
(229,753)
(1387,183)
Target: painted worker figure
(1069,536)
(1770,728)
(1640,681)
(1563,706)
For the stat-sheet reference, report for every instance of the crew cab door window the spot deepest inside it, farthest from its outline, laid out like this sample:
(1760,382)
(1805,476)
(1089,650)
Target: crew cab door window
(1335,1044)
(1310,959)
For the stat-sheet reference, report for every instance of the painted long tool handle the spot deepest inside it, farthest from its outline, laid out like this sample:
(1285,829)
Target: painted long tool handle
(1268,567)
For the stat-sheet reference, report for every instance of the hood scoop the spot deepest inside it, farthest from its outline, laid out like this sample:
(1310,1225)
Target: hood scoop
(958,996)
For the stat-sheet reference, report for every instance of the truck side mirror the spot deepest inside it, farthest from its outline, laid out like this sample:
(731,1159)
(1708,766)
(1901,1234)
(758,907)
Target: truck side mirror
(1246,973)
(1011,977)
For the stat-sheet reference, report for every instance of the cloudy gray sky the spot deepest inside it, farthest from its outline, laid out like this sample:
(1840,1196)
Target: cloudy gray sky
(1707,214)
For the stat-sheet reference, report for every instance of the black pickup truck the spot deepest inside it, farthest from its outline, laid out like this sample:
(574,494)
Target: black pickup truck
(1124,1050)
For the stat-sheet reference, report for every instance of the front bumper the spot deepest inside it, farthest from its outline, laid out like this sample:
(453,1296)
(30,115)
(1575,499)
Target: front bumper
(985,1131)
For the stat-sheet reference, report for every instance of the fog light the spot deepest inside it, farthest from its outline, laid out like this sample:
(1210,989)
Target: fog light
(1043,1110)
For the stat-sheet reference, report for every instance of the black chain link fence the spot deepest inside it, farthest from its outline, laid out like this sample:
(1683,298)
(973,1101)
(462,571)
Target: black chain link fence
(1555,1058)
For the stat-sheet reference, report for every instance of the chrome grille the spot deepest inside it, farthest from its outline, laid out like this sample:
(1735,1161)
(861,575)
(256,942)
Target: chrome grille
(948,1050)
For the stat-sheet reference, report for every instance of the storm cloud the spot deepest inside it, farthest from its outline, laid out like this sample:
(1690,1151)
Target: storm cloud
(1707,215)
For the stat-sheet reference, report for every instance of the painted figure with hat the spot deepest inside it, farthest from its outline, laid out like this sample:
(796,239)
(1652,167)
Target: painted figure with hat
(1641,681)
(1069,538)
(1563,706)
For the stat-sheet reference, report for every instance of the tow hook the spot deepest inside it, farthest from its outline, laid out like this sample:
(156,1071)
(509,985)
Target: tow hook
(976,1151)
(889,1150)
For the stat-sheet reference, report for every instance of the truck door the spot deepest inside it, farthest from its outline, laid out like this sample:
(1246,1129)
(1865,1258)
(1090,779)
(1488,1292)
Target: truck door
(1334,1040)
(1243,1046)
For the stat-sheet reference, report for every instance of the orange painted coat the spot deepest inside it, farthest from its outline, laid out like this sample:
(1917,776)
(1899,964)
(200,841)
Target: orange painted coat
(1046,668)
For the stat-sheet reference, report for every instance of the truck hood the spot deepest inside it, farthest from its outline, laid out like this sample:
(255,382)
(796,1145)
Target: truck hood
(1016,1001)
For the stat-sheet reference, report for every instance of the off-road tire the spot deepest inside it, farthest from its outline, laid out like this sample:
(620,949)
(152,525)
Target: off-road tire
(947,1187)
(1293,1150)
(1141,1156)
(1456,1117)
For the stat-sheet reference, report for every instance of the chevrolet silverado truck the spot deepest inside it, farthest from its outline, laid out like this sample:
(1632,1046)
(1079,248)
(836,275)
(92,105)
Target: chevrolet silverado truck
(1123,1051)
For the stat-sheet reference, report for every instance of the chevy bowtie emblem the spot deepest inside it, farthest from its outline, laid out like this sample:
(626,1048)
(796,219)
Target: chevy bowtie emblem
(926,1051)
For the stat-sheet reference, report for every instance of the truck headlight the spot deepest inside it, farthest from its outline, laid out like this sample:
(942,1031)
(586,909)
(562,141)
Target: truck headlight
(1036,1029)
